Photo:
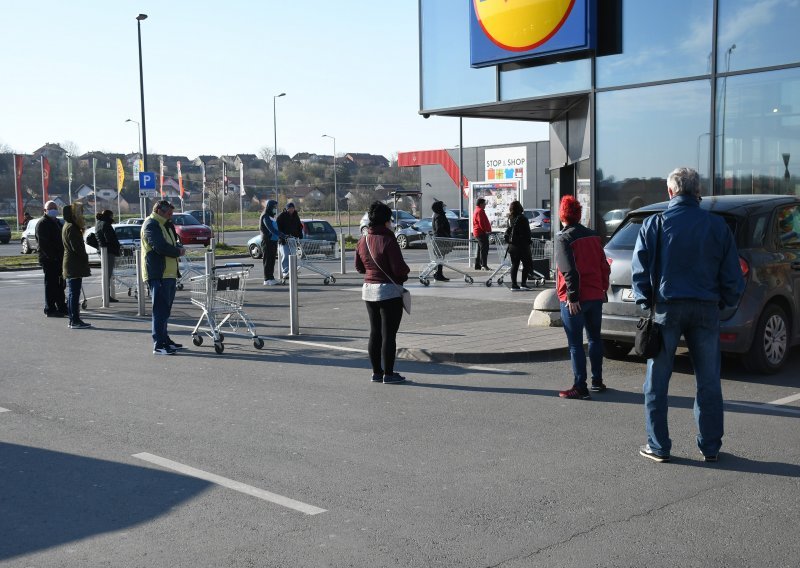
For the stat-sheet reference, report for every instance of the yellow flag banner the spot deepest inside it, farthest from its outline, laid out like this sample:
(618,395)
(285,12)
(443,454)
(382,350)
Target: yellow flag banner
(120,175)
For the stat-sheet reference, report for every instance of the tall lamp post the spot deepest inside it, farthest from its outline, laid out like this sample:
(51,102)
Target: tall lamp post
(335,195)
(275,132)
(139,18)
(139,129)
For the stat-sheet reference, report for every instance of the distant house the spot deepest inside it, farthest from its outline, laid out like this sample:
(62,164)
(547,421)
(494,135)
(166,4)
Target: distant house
(103,161)
(82,192)
(304,195)
(362,160)
(50,151)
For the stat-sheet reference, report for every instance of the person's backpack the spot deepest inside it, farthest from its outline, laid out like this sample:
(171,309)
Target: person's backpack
(91,240)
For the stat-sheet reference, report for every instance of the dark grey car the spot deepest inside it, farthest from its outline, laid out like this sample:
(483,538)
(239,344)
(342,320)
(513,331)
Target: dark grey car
(764,325)
(5,232)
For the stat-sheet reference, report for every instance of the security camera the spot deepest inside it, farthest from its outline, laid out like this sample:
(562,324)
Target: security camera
(426,115)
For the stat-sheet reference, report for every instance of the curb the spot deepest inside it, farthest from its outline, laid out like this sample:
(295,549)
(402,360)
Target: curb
(426,356)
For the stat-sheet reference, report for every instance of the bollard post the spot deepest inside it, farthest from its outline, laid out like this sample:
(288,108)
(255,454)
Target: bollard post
(105,293)
(294,312)
(342,254)
(139,284)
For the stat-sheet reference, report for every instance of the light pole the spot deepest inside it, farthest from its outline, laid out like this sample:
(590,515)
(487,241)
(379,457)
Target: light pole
(335,195)
(139,129)
(139,18)
(275,132)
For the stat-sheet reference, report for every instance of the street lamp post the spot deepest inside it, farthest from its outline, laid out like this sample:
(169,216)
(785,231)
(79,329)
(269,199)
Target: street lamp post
(335,194)
(275,132)
(139,129)
(139,18)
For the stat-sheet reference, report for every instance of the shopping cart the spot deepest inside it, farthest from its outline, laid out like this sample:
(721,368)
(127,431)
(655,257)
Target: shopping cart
(443,251)
(541,253)
(221,297)
(311,252)
(192,264)
(125,270)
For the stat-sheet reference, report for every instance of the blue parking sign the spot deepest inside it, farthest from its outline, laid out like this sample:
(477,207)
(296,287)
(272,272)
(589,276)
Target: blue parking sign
(147,180)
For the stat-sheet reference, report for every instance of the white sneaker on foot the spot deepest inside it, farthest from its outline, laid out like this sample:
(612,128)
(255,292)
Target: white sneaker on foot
(272,282)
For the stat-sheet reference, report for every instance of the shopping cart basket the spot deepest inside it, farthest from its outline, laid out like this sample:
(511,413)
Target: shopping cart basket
(541,250)
(125,270)
(221,297)
(312,252)
(443,251)
(192,264)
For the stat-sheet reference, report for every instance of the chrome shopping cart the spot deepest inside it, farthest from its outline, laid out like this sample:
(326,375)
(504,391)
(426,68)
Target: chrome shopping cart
(312,252)
(125,270)
(192,264)
(443,251)
(541,250)
(221,297)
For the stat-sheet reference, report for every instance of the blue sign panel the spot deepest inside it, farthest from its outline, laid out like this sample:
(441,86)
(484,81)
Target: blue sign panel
(147,180)
(503,31)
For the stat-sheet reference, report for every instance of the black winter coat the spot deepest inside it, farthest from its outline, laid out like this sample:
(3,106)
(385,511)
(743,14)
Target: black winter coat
(519,232)
(51,247)
(76,261)
(441,226)
(289,224)
(107,237)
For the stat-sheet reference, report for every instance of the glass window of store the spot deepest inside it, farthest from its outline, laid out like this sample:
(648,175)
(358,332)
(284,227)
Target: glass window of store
(758,118)
(447,78)
(642,135)
(757,34)
(556,78)
(661,40)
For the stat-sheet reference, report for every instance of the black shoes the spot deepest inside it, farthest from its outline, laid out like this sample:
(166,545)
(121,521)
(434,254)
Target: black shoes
(598,387)
(646,452)
(711,459)
(394,378)
(174,346)
(575,392)
(113,300)
(80,324)
(377,377)
(441,279)
(163,350)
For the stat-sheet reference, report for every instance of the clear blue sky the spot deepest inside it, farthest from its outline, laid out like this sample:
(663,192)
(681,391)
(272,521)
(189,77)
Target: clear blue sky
(349,69)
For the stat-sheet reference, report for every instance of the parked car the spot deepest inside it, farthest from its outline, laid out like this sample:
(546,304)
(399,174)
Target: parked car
(404,219)
(764,325)
(198,214)
(5,232)
(613,219)
(129,237)
(313,229)
(135,221)
(540,222)
(415,234)
(190,230)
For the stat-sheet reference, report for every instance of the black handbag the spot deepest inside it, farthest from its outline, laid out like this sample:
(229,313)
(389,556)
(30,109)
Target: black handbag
(647,343)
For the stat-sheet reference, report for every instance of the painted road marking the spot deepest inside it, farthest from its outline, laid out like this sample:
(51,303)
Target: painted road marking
(4,409)
(491,369)
(231,484)
(766,406)
(786,400)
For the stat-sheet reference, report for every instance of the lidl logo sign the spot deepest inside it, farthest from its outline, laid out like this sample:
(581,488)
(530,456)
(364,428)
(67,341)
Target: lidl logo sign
(512,30)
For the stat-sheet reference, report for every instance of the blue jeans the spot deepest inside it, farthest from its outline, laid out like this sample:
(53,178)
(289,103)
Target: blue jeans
(163,294)
(698,322)
(74,299)
(284,254)
(590,317)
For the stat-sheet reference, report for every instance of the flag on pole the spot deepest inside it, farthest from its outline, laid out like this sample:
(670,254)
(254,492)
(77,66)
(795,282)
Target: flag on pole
(69,169)
(45,180)
(161,176)
(180,179)
(18,162)
(120,175)
(136,169)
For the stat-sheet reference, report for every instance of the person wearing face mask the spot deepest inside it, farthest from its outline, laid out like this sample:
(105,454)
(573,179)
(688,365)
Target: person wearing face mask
(270,234)
(51,257)
(160,253)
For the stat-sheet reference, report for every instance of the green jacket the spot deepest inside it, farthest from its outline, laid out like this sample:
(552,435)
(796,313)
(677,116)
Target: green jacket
(76,261)
(160,252)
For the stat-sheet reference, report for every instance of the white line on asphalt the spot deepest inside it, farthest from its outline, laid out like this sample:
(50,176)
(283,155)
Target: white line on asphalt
(231,484)
(490,369)
(4,409)
(765,406)
(786,400)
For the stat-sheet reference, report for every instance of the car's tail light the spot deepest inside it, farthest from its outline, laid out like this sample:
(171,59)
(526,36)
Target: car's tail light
(745,267)
(609,260)
(727,337)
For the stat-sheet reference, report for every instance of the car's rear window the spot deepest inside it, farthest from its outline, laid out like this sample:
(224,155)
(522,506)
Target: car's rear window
(129,233)
(625,237)
(317,227)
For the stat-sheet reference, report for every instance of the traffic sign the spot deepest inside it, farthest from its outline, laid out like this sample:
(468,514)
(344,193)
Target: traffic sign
(147,184)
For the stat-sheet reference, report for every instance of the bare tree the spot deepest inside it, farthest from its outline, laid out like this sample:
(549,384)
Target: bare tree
(6,149)
(71,148)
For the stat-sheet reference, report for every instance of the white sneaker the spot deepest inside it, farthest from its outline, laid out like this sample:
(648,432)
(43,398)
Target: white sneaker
(271,282)
(266,282)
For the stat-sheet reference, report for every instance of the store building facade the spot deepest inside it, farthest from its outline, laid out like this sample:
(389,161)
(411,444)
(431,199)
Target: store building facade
(710,84)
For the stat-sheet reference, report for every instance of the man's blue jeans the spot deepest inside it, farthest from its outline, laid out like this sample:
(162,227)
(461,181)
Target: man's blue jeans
(284,254)
(590,317)
(162,291)
(74,299)
(698,322)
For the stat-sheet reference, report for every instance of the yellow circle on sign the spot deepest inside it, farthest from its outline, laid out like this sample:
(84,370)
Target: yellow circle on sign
(520,25)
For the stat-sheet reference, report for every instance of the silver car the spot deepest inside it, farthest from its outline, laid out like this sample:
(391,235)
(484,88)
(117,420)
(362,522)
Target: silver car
(764,326)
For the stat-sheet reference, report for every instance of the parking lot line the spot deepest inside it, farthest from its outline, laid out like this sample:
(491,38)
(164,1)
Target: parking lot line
(230,484)
(786,400)
(765,406)
(4,409)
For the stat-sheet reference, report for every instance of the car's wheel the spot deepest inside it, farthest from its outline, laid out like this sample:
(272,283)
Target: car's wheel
(5,241)
(616,349)
(402,240)
(255,251)
(26,248)
(770,346)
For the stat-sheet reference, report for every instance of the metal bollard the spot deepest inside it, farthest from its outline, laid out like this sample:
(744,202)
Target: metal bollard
(294,312)
(342,254)
(105,293)
(139,284)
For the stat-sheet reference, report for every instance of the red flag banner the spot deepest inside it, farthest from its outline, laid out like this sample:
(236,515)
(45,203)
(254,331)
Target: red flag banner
(180,179)
(45,180)
(18,161)
(161,176)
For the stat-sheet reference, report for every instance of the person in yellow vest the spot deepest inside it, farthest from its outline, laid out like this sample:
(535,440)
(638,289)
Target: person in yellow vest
(161,250)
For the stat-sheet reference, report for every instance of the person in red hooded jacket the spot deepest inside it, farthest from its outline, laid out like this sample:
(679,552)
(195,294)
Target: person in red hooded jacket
(581,283)
(481,228)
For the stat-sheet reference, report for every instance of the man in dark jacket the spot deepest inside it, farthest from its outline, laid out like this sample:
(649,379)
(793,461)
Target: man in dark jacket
(107,238)
(51,257)
(289,224)
(581,284)
(441,228)
(270,234)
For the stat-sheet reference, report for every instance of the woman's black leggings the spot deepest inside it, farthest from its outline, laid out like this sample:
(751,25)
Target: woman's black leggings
(384,321)
(520,254)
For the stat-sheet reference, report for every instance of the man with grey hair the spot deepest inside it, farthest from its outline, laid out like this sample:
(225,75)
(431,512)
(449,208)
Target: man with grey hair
(686,268)
(51,258)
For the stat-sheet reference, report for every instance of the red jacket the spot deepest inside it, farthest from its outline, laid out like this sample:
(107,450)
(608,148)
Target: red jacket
(382,244)
(480,222)
(582,268)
